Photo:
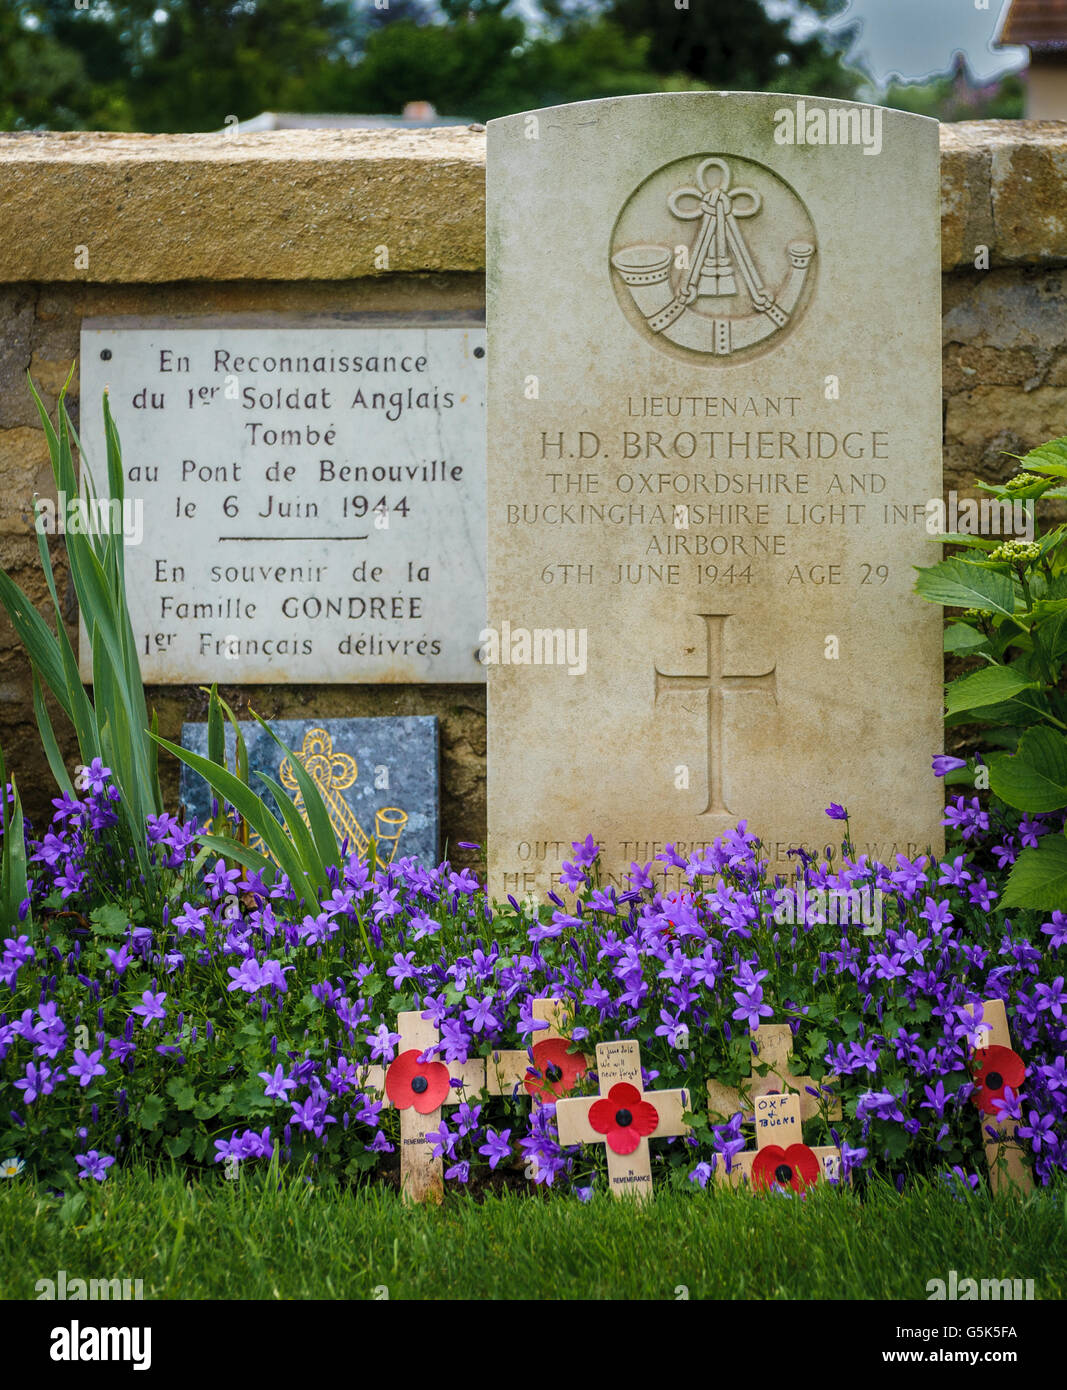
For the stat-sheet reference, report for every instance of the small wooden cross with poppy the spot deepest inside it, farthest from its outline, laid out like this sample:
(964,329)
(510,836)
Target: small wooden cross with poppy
(996,1066)
(781,1158)
(774,1047)
(418,1090)
(624,1118)
(547,1069)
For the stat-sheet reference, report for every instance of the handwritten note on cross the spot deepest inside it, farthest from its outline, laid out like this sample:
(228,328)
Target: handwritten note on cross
(419,1090)
(774,1047)
(624,1117)
(781,1158)
(713,684)
(998,1066)
(551,1072)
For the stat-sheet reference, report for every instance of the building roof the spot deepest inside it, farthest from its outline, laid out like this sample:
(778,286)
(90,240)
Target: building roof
(1040,24)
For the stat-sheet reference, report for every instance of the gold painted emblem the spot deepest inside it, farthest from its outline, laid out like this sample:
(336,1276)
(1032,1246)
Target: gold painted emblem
(333,772)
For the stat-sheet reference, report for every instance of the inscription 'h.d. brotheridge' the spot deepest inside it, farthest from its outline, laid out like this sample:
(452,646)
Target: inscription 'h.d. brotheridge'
(714,425)
(310,499)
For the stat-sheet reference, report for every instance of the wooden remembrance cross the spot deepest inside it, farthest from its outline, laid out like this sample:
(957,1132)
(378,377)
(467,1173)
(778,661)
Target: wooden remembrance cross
(623,1118)
(781,1158)
(999,1066)
(553,1070)
(774,1046)
(418,1090)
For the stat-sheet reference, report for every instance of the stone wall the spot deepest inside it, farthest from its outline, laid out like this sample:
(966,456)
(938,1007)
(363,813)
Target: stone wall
(294,221)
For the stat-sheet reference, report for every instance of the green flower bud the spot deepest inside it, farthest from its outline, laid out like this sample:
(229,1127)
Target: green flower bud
(1017,552)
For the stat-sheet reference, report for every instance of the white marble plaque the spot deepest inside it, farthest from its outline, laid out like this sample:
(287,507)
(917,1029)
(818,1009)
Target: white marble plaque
(304,503)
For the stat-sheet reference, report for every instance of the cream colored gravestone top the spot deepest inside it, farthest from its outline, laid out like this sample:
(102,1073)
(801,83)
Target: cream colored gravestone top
(421,1172)
(623,1118)
(714,423)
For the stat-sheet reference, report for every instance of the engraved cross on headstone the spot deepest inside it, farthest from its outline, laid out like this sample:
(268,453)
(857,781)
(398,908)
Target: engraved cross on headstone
(714,685)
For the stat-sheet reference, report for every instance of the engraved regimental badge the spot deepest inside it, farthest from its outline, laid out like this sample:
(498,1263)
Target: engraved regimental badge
(713,256)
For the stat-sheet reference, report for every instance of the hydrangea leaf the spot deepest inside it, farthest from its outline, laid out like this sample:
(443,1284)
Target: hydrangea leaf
(960,584)
(1034,778)
(1039,876)
(990,686)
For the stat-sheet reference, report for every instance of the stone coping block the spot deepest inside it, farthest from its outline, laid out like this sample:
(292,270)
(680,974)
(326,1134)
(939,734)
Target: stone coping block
(282,205)
(299,205)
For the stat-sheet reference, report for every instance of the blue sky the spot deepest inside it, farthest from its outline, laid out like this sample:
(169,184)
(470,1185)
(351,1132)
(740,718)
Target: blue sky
(915,39)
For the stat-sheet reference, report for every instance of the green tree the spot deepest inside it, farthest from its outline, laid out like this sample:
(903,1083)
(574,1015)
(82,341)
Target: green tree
(737,44)
(60,68)
(483,62)
(212,58)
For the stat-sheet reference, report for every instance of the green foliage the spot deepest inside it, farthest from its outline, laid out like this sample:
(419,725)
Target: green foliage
(14,893)
(1013,594)
(736,44)
(185,65)
(951,97)
(304,851)
(113,725)
(287,1236)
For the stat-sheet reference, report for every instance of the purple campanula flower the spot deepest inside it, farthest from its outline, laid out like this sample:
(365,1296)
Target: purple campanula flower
(943,764)
(479,1014)
(382,1043)
(87,1066)
(38,1081)
(93,1164)
(277,1083)
(836,812)
(497,1147)
(151,1009)
(1056,930)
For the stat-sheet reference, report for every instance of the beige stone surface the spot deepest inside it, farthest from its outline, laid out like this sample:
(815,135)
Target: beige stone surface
(314,205)
(1006,327)
(1005,367)
(707,695)
(284,205)
(1004,185)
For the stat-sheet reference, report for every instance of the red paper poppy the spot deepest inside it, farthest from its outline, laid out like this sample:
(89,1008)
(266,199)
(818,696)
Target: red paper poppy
(795,1167)
(559,1069)
(623,1117)
(997,1067)
(411,1084)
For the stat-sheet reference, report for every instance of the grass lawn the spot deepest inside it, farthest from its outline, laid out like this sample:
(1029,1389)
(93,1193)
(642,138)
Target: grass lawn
(216,1240)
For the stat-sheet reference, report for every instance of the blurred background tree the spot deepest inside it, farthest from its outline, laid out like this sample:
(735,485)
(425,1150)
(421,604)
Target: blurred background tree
(184,65)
